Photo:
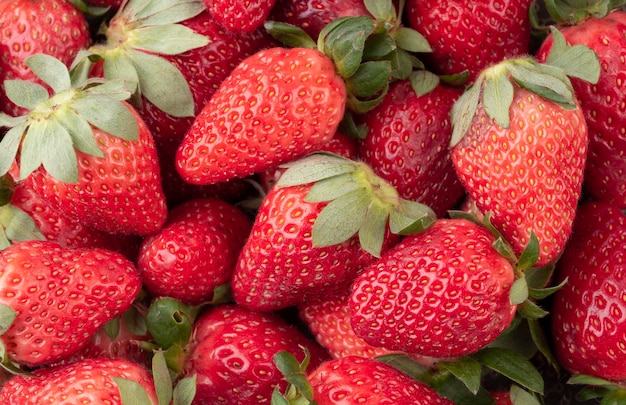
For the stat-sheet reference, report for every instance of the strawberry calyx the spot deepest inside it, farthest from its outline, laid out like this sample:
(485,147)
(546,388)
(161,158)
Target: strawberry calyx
(15,224)
(494,87)
(359,202)
(7,316)
(596,388)
(571,12)
(136,36)
(299,390)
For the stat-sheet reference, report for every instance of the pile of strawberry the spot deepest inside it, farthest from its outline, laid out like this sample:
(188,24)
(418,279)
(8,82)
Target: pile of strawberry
(312,202)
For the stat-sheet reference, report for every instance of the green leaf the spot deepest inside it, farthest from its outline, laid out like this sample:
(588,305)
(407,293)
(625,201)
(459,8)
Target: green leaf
(454,390)
(372,232)
(361,106)
(584,379)
(546,81)
(369,79)
(378,46)
(530,254)
(344,43)
(294,372)
(185,391)
(410,217)
(112,328)
(423,82)
(467,370)
(541,293)
(80,131)
(7,316)
(411,40)
(121,68)
(115,89)
(513,366)
(24,93)
(131,392)
(163,84)
(520,396)
(519,291)
(407,365)
(539,277)
(349,127)
(576,61)
(9,146)
(52,71)
(463,111)
(290,35)
(497,99)
(529,309)
(331,188)
(20,226)
(315,167)
(542,342)
(109,115)
(161,12)
(171,39)
(162,378)
(341,218)
(381,9)
(4,243)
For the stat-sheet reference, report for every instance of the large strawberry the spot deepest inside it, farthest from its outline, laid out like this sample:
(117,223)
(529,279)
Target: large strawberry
(59,298)
(54,27)
(88,152)
(519,147)
(471,35)
(603,102)
(91,381)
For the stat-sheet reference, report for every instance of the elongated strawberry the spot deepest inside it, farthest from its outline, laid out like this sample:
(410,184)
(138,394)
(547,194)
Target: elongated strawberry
(240,15)
(27,27)
(519,147)
(443,292)
(231,353)
(91,381)
(601,102)
(60,297)
(471,35)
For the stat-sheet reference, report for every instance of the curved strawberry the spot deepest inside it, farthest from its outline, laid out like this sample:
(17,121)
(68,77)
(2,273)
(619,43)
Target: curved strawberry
(60,297)
(443,292)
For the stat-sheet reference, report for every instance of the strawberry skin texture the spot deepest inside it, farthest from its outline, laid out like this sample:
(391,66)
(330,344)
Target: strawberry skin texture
(231,352)
(85,382)
(120,193)
(275,106)
(355,380)
(28,27)
(471,35)
(240,15)
(528,176)
(588,326)
(407,145)
(603,104)
(61,297)
(441,293)
(279,267)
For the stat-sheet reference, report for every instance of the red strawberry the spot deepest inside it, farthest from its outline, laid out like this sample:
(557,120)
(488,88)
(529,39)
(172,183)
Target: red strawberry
(61,297)
(195,252)
(602,104)
(443,292)
(27,27)
(298,86)
(407,145)
(521,155)
(355,380)
(587,314)
(91,381)
(471,35)
(231,354)
(240,15)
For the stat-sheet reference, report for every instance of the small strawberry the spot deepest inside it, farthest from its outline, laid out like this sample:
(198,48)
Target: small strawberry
(195,252)
(601,102)
(60,297)
(588,312)
(471,35)
(407,144)
(519,146)
(90,381)
(231,353)
(443,292)
(27,27)
(240,15)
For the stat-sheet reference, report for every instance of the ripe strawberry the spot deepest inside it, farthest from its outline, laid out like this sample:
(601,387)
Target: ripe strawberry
(54,27)
(587,326)
(521,153)
(443,292)
(231,352)
(407,145)
(195,252)
(355,380)
(298,86)
(91,381)
(471,35)
(240,15)
(602,103)
(60,297)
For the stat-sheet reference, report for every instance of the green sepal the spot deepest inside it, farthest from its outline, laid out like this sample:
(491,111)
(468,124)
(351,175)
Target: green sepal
(341,218)
(112,328)
(171,39)
(24,93)
(584,379)
(77,127)
(299,389)
(374,227)
(403,64)
(169,322)
(161,12)
(547,81)
(52,71)
(162,378)
(530,310)
(410,217)
(9,146)
(131,392)
(381,9)
(541,293)
(369,79)
(289,34)
(520,396)
(423,82)
(464,110)
(456,391)
(573,11)
(315,167)
(343,41)
(455,80)
(410,40)
(330,188)
(511,365)
(349,127)
(542,342)
(530,255)
(185,390)
(539,277)
(407,365)
(108,115)
(519,291)
(135,321)
(121,68)
(467,370)
(7,188)
(7,317)
(360,106)
(576,61)
(378,46)
(497,99)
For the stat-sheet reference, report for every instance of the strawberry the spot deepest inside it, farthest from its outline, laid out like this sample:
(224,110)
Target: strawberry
(519,147)
(240,15)
(471,35)
(443,292)
(91,381)
(355,380)
(587,326)
(302,89)
(601,102)
(407,144)
(54,27)
(195,252)
(60,297)
(231,353)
